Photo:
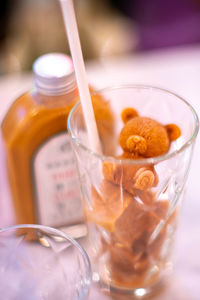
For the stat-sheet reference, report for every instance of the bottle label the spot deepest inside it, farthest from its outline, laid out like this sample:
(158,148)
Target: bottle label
(56,183)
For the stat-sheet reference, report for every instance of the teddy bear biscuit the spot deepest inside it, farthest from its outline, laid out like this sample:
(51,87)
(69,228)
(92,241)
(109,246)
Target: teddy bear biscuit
(145,136)
(140,138)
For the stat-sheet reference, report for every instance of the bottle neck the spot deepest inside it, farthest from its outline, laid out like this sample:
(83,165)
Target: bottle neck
(55,100)
(55,86)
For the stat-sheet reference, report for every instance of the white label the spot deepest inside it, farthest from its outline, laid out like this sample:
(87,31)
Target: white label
(56,183)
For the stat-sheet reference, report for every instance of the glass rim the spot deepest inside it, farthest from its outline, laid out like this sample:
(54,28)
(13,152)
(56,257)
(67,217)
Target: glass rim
(60,233)
(153,160)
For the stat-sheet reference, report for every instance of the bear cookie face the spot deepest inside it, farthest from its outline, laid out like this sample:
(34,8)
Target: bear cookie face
(145,137)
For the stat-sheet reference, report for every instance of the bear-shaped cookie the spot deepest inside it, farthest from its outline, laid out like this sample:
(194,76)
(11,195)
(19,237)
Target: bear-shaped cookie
(141,137)
(144,136)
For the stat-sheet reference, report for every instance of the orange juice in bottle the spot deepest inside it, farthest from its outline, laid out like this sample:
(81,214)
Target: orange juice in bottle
(40,161)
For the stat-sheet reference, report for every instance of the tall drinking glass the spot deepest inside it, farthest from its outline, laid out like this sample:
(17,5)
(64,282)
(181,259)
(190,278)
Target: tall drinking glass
(131,230)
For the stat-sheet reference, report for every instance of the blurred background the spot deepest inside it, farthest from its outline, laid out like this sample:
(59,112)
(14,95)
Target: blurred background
(30,28)
(152,42)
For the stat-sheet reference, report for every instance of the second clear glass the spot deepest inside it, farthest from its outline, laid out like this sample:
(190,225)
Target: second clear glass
(42,263)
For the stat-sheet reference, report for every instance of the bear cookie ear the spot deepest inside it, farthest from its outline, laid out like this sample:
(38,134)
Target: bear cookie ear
(173,131)
(128,114)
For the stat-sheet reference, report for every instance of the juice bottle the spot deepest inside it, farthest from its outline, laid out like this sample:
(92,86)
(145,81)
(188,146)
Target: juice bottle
(40,161)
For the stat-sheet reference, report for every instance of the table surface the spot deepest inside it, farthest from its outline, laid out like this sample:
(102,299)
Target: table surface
(178,70)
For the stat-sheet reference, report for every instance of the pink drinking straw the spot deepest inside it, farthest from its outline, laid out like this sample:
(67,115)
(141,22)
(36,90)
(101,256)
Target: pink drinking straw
(71,28)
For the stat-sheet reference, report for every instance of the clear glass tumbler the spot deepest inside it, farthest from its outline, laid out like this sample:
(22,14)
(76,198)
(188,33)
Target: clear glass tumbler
(42,263)
(131,230)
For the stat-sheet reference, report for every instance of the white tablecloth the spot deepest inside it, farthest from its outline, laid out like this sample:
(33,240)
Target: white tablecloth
(177,70)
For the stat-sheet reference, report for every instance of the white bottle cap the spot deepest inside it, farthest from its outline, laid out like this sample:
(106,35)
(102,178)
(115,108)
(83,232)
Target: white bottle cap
(54,74)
